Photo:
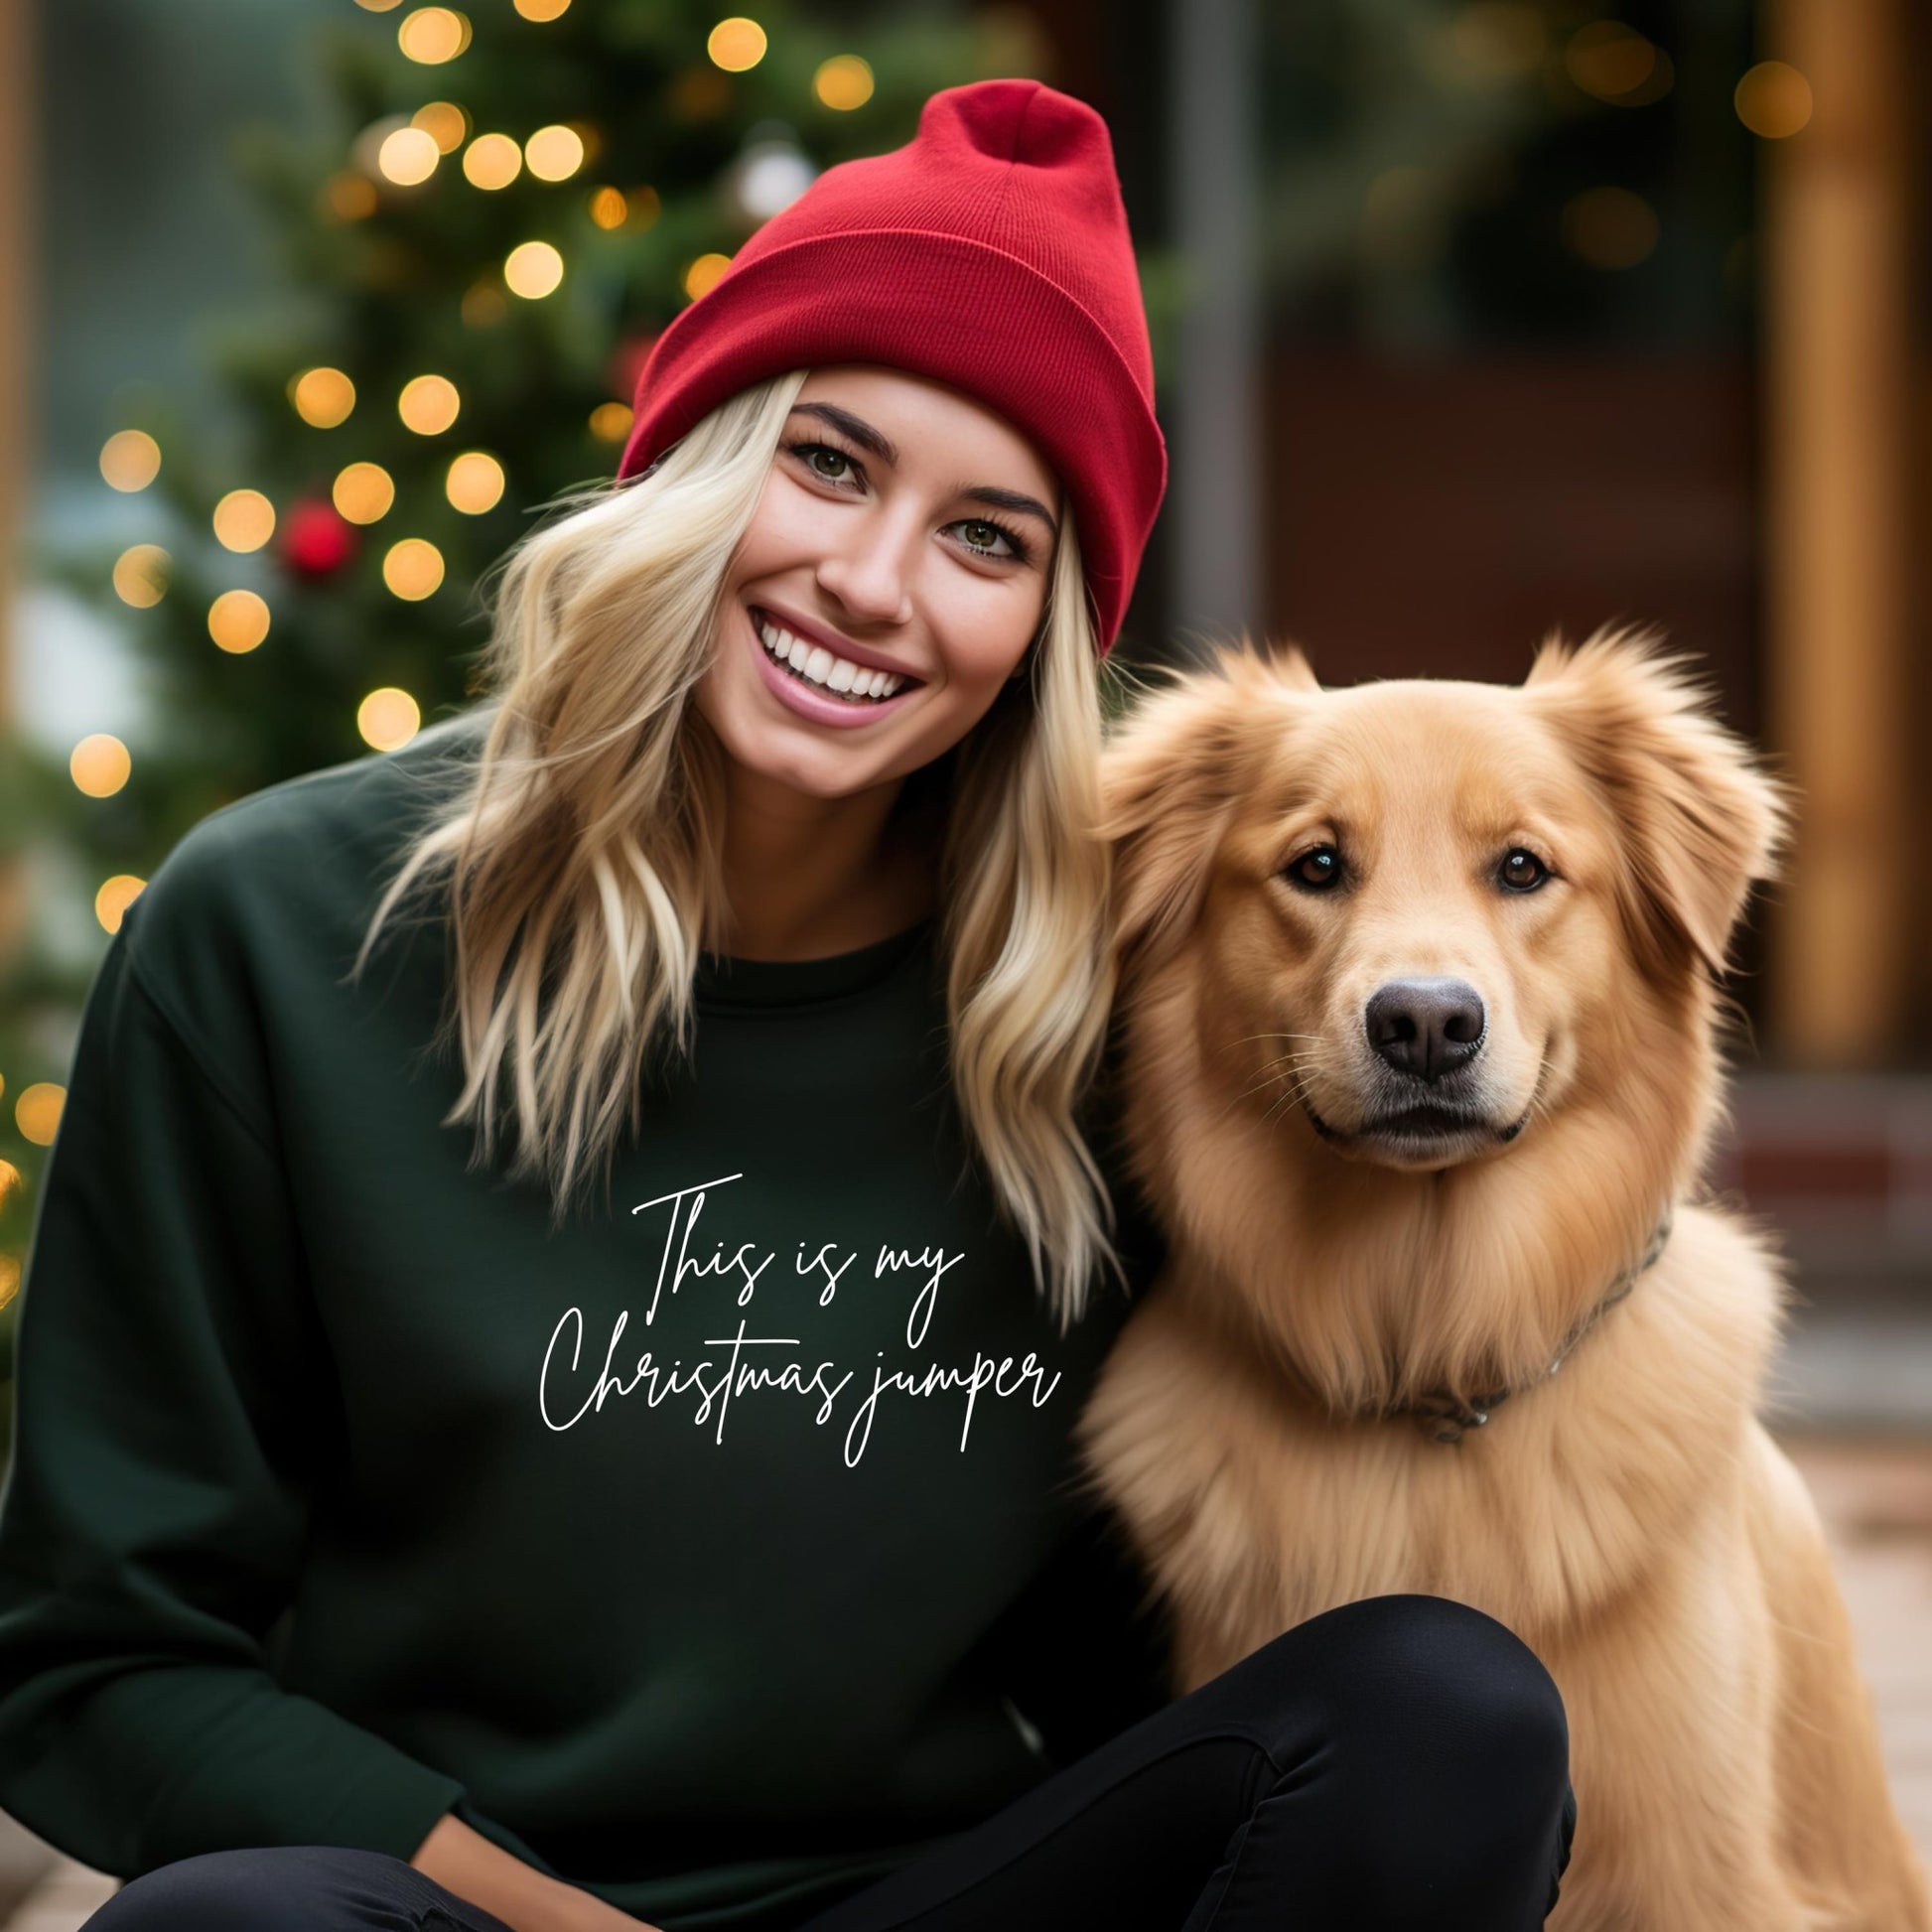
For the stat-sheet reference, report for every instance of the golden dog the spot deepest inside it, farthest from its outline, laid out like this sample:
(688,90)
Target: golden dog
(1419,1061)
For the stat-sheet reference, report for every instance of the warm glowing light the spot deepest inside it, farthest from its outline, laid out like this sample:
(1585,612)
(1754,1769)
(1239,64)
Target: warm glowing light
(491,161)
(844,82)
(533,271)
(1499,39)
(429,404)
(238,620)
(408,156)
(36,1113)
(736,44)
(413,568)
(379,6)
(116,894)
(611,421)
(704,274)
(475,482)
(554,153)
(245,519)
(363,493)
(100,764)
(542,9)
(483,304)
(9,1173)
(443,122)
(432,35)
(141,574)
(9,1275)
(389,718)
(1610,228)
(1774,100)
(609,207)
(323,398)
(130,459)
(1609,60)
(348,196)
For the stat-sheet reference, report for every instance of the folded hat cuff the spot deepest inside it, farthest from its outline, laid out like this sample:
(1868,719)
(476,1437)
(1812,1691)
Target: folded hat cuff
(957,311)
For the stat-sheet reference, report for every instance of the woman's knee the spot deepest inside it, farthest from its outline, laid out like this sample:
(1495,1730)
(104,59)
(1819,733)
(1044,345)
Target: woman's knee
(1426,1694)
(260,1889)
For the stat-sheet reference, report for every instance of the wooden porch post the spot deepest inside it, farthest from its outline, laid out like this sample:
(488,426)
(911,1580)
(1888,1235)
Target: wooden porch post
(1838,390)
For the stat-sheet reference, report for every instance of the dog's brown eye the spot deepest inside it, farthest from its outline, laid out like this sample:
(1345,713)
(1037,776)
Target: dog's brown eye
(1522,872)
(1319,866)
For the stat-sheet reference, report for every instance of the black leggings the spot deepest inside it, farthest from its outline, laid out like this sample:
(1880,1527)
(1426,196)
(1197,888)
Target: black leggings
(1398,1762)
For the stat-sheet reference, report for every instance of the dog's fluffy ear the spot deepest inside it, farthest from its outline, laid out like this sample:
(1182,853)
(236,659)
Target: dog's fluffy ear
(1700,822)
(1171,775)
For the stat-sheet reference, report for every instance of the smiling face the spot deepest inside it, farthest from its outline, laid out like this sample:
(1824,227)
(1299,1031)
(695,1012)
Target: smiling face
(890,580)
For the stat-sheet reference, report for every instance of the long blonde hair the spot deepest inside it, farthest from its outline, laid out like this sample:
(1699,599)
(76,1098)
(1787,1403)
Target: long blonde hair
(579,867)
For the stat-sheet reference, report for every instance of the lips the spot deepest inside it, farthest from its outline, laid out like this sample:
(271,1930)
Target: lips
(808,633)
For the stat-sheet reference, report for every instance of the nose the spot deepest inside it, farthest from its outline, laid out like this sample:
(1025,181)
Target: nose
(1426,1026)
(868,575)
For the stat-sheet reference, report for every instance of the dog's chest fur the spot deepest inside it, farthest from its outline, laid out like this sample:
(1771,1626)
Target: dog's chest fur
(1252,1511)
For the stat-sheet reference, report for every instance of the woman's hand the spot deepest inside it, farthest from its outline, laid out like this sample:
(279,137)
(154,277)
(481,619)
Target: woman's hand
(463,1862)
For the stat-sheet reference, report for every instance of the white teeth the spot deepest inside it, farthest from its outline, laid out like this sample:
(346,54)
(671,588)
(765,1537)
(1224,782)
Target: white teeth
(822,667)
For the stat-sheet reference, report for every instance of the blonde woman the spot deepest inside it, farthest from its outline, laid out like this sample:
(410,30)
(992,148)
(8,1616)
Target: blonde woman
(575,1250)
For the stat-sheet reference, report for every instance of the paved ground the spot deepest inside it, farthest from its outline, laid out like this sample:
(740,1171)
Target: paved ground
(1875,1494)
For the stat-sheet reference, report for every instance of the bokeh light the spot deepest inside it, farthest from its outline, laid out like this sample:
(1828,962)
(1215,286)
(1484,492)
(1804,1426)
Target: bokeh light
(433,35)
(36,1113)
(611,421)
(323,398)
(554,153)
(363,493)
(533,271)
(1774,100)
(100,764)
(413,569)
(429,404)
(542,9)
(491,161)
(736,44)
(141,574)
(245,521)
(844,82)
(389,718)
(704,274)
(475,482)
(238,620)
(130,459)
(116,894)
(443,122)
(408,156)
(1610,228)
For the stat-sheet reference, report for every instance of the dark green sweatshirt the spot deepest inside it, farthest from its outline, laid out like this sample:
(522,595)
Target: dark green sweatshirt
(719,1552)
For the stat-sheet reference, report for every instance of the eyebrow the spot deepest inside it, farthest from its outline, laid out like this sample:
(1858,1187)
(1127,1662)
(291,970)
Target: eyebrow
(883,446)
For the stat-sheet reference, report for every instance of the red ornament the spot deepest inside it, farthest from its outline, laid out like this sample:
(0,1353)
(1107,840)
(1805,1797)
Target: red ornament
(317,541)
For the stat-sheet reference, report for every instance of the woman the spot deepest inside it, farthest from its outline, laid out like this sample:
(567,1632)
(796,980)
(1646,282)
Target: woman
(402,1534)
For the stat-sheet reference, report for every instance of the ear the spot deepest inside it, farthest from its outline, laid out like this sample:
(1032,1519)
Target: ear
(1172,773)
(1699,820)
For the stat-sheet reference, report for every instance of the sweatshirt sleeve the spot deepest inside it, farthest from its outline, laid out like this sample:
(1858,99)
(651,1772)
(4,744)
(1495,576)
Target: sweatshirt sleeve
(173,1402)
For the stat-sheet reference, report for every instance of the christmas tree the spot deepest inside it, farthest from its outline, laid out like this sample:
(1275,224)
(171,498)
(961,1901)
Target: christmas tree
(475,261)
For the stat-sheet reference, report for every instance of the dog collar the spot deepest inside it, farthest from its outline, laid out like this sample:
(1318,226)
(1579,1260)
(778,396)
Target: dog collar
(1443,1417)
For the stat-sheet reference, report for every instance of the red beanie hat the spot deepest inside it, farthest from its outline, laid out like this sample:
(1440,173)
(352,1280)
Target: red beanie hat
(989,253)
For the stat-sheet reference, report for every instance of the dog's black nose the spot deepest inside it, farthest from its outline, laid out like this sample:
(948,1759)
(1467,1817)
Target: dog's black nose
(1426,1026)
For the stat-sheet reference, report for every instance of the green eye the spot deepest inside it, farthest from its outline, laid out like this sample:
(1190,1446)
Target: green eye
(836,455)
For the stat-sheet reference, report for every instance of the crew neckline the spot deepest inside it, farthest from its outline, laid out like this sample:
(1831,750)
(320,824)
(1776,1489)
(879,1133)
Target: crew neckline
(725,980)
